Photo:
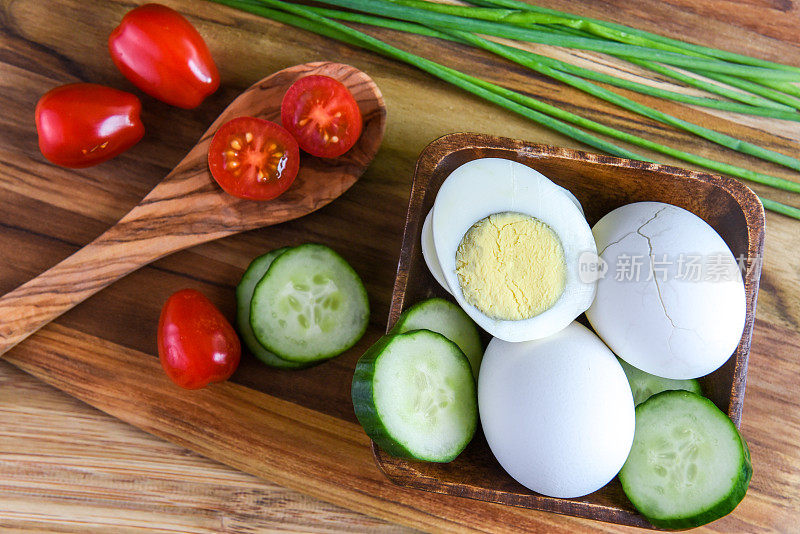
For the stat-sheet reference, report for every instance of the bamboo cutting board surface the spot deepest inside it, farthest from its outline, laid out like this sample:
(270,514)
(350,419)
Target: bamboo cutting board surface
(67,467)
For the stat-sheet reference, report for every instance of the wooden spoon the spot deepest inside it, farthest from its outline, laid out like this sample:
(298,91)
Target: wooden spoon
(188,207)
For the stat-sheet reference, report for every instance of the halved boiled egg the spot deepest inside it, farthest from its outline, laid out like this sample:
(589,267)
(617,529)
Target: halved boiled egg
(429,250)
(429,253)
(509,243)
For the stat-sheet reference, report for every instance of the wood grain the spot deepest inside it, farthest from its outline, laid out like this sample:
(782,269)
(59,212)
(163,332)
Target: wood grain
(103,473)
(48,213)
(187,208)
(329,458)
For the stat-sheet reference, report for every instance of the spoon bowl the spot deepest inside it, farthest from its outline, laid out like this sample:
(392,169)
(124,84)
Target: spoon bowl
(188,207)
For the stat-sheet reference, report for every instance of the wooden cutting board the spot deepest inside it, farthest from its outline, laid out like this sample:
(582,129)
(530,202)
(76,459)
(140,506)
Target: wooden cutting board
(298,429)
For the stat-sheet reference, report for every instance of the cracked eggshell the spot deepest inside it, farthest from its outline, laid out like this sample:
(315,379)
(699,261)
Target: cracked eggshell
(486,186)
(672,302)
(557,412)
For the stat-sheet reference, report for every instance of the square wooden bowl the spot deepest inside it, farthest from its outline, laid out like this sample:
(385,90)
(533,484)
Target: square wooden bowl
(601,183)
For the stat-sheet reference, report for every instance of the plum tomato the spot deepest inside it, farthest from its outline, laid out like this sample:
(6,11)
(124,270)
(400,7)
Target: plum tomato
(83,124)
(322,115)
(253,158)
(196,344)
(162,54)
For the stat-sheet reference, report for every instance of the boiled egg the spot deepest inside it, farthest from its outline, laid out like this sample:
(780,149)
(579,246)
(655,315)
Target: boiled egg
(429,253)
(508,243)
(429,250)
(557,412)
(672,302)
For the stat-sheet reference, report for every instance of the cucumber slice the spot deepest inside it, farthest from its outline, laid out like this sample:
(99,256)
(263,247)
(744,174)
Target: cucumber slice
(244,296)
(309,306)
(415,396)
(688,464)
(644,385)
(444,317)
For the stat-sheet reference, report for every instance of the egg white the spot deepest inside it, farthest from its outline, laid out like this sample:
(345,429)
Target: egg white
(429,253)
(429,250)
(486,186)
(558,412)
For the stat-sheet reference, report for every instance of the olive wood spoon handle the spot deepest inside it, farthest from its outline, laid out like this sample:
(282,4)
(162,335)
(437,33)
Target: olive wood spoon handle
(187,208)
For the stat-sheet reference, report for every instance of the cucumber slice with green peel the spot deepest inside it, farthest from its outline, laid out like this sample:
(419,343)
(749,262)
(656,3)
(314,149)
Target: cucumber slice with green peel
(309,306)
(244,296)
(644,385)
(415,396)
(688,464)
(444,317)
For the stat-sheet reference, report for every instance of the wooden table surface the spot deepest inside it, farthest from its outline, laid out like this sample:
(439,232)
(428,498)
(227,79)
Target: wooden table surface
(67,467)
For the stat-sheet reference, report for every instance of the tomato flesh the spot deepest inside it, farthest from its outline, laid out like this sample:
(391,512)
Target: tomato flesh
(83,124)
(162,54)
(196,344)
(253,158)
(322,115)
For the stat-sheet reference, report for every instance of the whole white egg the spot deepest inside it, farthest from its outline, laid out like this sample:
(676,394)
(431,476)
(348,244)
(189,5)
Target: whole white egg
(489,186)
(672,302)
(557,412)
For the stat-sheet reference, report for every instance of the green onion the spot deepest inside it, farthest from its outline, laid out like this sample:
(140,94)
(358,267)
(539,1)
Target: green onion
(534,62)
(753,87)
(778,183)
(713,52)
(305,18)
(784,87)
(760,107)
(783,209)
(441,20)
(769,98)
(530,60)
(526,18)
(530,18)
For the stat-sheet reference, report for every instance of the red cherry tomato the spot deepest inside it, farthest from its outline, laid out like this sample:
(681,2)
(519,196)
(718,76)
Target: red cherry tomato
(322,115)
(83,124)
(162,54)
(253,158)
(196,344)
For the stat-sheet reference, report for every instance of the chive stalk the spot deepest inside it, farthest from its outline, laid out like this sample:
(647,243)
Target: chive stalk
(753,87)
(441,20)
(768,97)
(533,61)
(530,18)
(307,19)
(760,107)
(758,95)
(713,52)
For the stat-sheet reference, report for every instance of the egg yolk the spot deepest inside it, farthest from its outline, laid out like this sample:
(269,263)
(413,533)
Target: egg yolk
(511,266)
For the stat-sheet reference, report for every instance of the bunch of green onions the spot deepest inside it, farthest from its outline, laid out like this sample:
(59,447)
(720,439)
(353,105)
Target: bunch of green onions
(762,87)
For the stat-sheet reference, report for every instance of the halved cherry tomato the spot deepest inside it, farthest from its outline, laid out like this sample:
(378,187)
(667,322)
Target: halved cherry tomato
(83,124)
(196,344)
(322,115)
(162,54)
(253,158)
